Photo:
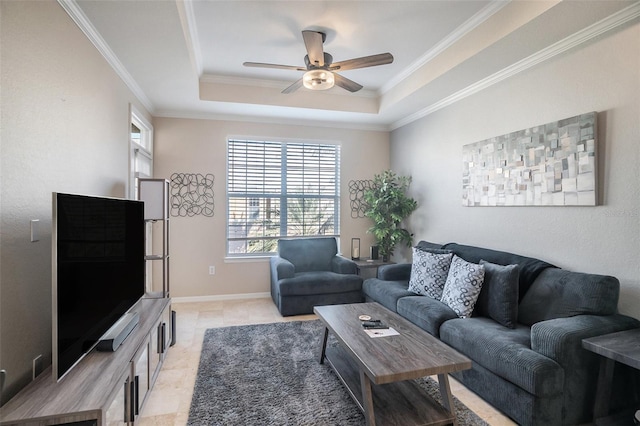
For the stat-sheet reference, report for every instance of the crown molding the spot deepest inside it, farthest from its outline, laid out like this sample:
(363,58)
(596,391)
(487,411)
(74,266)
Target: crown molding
(190,30)
(81,20)
(273,120)
(595,30)
(471,23)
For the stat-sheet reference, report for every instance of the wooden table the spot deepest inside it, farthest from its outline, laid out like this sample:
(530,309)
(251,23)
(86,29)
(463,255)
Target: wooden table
(368,264)
(379,372)
(622,347)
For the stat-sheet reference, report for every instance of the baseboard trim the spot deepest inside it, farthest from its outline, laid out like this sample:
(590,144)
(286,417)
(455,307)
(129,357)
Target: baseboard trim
(220,297)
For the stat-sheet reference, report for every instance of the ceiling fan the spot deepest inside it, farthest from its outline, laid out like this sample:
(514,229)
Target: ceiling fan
(320,70)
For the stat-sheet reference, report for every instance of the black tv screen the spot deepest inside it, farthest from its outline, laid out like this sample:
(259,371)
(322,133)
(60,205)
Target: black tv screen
(98,270)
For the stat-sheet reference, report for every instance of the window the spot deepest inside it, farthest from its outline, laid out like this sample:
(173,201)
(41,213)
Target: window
(141,146)
(277,189)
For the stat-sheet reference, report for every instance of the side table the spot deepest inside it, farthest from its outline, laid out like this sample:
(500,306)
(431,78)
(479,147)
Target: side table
(622,347)
(365,265)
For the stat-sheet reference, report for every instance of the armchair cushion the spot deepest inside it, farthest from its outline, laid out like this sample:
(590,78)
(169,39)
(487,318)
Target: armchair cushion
(319,282)
(309,254)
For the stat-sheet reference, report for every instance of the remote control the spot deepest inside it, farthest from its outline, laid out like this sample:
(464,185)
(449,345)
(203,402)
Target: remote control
(375,326)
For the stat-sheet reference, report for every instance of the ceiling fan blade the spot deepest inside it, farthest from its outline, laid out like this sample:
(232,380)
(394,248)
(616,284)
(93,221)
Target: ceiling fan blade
(295,86)
(365,61)
(276,66)
(346,84)
(313,43)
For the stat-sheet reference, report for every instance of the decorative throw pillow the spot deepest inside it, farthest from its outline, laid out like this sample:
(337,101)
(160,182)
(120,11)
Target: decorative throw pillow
(463,286)
(499,296)
(429,272)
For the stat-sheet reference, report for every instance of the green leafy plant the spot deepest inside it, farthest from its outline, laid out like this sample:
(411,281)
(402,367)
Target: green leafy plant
(387,205)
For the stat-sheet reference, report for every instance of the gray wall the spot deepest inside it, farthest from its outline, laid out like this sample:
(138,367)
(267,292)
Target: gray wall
(602,75)
(64,128)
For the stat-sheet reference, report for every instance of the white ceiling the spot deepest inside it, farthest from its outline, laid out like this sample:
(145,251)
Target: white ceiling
(184,58)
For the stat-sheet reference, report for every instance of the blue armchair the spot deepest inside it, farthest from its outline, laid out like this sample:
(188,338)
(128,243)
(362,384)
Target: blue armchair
(307,272)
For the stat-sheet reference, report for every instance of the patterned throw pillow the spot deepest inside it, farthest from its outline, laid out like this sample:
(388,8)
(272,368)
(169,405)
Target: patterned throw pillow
(429,272)
(463,286)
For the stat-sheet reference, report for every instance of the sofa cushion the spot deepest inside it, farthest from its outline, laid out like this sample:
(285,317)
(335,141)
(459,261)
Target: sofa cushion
(505,352)
(425,312)
(384,292)
(429,271)
(530,268)
(306,283)
(463,286)
(558,293)
(499,296)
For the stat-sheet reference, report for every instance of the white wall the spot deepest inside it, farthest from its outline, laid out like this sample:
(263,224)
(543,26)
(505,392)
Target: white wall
(602,76)
(199,146)
(64,128)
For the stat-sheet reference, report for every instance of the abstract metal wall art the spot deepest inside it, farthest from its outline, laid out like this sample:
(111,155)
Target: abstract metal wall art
(356,196)
(191,194)
(554,164)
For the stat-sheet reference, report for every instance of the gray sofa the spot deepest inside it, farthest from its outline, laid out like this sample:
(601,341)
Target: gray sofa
(308,272)
(528,359)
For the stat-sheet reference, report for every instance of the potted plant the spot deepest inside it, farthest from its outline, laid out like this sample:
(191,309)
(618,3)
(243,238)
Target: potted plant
(387,205)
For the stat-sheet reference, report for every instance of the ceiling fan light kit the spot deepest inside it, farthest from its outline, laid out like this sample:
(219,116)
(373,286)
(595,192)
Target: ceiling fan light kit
(318,80)
(320,69)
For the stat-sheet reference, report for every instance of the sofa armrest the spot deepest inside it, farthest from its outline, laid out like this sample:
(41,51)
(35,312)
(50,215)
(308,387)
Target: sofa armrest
(342,265)
(281,268)
(395,272)
(561,339)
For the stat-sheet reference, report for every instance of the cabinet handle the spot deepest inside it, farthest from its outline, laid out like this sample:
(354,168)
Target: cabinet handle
(160,339)
(164,337)
(136,380)
(132,401)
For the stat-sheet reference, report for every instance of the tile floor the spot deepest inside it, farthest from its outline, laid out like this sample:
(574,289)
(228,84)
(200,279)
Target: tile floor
(169,402)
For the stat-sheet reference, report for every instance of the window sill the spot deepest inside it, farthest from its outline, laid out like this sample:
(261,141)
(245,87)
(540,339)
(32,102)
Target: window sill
(247,259)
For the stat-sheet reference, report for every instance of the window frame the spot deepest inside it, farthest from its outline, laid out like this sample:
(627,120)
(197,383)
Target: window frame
(144,148)
(283,195)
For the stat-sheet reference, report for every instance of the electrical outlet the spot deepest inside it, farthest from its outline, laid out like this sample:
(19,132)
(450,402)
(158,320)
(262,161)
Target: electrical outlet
(212,270)
(37,366)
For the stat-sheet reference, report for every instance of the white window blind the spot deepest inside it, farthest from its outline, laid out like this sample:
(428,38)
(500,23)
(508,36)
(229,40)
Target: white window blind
(277,189)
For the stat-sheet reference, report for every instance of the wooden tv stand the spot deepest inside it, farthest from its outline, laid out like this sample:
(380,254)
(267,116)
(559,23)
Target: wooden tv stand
(104,388)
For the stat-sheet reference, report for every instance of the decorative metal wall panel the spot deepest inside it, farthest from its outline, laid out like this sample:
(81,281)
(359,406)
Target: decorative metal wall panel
(191,194)
(356,196)
(554,164)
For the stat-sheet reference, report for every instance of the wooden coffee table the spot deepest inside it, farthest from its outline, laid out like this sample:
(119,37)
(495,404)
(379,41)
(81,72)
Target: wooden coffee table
(378,372)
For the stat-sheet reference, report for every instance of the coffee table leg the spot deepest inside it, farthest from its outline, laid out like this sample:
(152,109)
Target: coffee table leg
(367,399)
(323,349)
(603,390)
(445,394)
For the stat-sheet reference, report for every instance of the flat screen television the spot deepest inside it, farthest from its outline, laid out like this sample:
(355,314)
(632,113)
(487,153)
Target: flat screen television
(98,249)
